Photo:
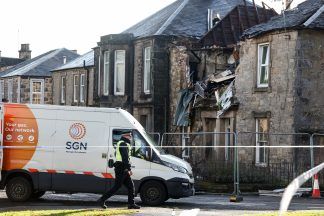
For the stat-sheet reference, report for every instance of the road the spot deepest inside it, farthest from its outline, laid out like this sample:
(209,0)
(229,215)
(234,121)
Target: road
(207,204)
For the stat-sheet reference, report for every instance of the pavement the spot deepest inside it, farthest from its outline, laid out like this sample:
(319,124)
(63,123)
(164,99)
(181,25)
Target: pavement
(203,204)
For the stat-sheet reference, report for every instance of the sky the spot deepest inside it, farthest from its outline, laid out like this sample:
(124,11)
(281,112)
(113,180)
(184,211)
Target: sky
(72,24)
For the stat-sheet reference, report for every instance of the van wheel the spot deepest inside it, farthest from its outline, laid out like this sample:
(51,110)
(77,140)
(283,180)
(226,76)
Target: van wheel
(153,193)
(37,194)
(18,189)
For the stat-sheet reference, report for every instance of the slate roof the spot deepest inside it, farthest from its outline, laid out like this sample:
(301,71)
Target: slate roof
(6,62)
(292,19)
(183,18)
(84,60)
(41,65)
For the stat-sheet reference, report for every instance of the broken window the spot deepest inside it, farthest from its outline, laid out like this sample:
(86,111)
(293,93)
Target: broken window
(262,139)
(147,70)
(263,65)
(106,73)
(119,87)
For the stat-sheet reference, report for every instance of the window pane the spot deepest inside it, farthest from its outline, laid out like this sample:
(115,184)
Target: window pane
(262,139)
(120,78)
(264,54)
(106,73)
(36,98)
(147,70)
(37,87)
(119,72)
(120,56)
(264,75)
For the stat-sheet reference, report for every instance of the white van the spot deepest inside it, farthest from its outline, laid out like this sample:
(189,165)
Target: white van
(71,149)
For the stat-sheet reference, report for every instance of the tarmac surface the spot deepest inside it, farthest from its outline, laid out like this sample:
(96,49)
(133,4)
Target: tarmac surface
(203,204)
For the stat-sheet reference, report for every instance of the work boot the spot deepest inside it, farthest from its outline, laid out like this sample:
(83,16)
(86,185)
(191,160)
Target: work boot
(134,206)
(102,203)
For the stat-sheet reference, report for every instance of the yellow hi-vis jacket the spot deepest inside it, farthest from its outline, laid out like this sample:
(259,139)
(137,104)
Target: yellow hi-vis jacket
(118,154)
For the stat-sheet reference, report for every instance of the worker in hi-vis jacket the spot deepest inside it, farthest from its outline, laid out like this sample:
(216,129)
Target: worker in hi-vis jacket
(123,172)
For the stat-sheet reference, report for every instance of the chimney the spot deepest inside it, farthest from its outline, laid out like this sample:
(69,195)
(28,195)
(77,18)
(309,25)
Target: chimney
(75,51)
(24,52)
(64,59)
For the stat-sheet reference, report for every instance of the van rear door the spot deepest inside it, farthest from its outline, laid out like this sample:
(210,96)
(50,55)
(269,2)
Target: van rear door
(1,138)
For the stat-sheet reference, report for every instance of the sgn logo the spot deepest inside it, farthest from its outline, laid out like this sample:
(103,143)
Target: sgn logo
(77,131)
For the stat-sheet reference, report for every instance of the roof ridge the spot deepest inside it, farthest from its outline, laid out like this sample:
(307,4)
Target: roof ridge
(33,64)
(171,18)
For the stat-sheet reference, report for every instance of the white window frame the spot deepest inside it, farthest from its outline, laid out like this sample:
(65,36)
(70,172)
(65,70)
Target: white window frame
(147,70)
(260,65)
(258,160)
(122,92)
(10,90)
(2,93)
(75,88)
(82,87)
(106,73)
(99,77)
(63,89)
(32,92)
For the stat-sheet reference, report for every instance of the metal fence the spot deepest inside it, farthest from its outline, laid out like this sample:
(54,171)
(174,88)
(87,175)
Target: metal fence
(255,160)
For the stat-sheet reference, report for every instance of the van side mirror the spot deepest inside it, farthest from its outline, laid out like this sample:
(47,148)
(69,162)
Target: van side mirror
(110,163)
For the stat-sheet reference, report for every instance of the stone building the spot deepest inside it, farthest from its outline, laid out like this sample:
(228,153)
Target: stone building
(214,63)
(31,80)
(278,86)
(134,71)
(73,82)
(24,54)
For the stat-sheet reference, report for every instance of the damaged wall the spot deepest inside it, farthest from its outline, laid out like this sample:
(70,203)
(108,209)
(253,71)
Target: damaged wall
(275,102)
(179,63)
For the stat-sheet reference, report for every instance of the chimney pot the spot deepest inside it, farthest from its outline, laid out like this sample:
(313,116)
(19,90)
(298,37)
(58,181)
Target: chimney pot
(64,59)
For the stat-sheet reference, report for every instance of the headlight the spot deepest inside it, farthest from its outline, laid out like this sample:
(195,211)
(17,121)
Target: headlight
(176,167)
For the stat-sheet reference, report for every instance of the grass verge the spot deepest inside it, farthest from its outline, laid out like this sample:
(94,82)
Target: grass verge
(78,212)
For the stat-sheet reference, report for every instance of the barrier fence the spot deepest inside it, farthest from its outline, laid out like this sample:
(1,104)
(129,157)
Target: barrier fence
(247,161)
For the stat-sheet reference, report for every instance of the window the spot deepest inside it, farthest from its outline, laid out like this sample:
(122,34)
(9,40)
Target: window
(261,140)
(99,72)
(227,143)
(2,95)
(75,88)
(37,91)
(184,140)
(106,73)
(63,87)
(147,70)
(119,88)
(10,87)
(82,87)
(263,65)
(141,148)
(143,121)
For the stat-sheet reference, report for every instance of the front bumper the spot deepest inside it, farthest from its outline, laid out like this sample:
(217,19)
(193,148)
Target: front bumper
(179,187)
